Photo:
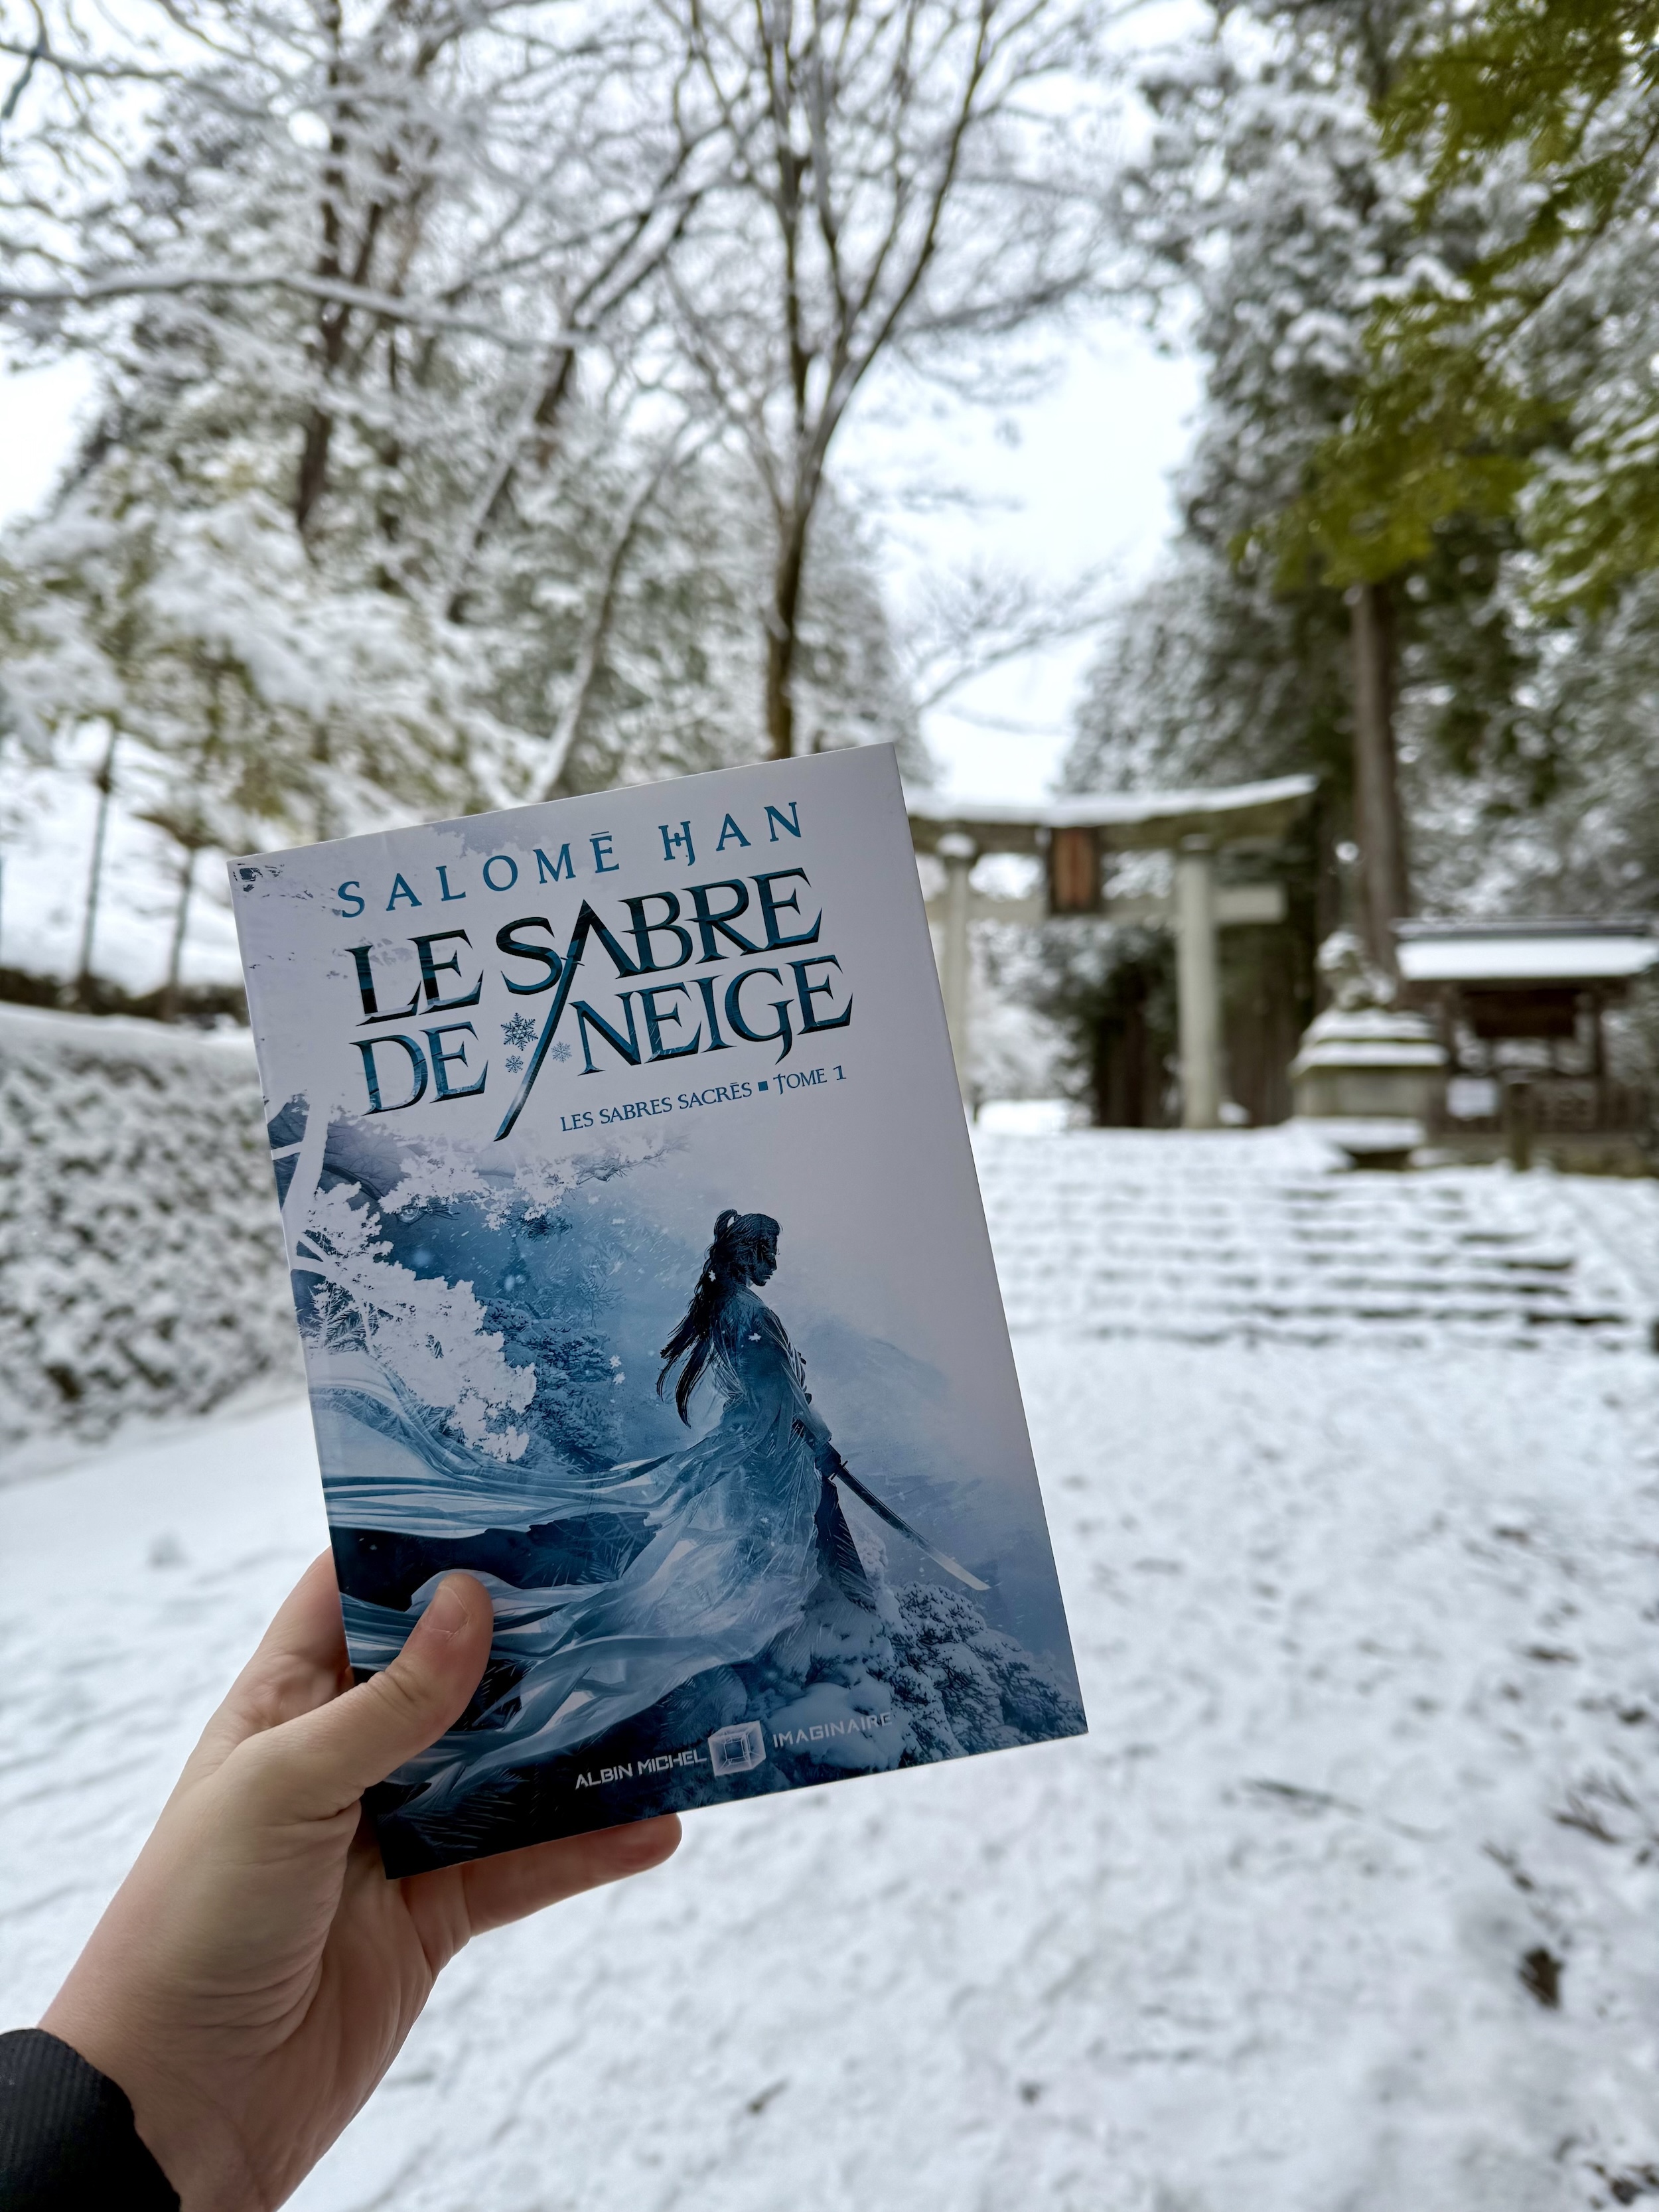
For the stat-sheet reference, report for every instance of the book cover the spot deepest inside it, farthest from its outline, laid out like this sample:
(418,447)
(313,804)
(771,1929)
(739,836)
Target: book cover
(641,1270)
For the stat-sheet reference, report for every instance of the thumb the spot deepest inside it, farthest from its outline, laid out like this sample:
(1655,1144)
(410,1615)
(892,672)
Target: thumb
(324,1761)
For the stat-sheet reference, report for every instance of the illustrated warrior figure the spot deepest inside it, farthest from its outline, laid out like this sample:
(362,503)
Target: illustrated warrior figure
(770,1449)
(749,1551)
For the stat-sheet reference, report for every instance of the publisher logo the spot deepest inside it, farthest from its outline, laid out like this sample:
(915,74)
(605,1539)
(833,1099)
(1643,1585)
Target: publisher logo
(738,1749)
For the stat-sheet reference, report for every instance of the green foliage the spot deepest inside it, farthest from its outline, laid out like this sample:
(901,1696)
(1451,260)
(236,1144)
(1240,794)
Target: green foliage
(1544,75)
(1439,436)
(1510,373)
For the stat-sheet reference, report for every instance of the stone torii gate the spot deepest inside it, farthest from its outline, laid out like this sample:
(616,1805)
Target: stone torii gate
(1074,836)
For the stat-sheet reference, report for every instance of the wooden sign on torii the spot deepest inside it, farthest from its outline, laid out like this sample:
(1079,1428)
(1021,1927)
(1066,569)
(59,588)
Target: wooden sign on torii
(1073,836)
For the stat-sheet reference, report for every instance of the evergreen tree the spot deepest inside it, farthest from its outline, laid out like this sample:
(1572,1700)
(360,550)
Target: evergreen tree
(1268,211)
(1269,214)
(1513,374)
(1510,375)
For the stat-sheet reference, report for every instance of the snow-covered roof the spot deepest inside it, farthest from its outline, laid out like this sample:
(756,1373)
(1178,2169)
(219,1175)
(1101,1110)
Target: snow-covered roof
(1140,818)
(1526,953)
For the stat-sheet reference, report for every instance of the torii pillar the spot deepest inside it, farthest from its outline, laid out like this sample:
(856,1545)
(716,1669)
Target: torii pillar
(1198,983)
(958,852)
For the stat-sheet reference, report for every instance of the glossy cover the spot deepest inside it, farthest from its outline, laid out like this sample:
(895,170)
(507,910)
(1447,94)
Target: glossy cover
(641,1269)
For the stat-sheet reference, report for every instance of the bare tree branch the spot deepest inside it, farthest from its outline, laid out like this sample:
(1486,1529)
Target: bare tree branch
(421,314)
(568,730)
(891,184)
(984,617)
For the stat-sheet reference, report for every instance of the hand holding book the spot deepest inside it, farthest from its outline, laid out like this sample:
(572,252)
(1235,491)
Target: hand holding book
(257,1973)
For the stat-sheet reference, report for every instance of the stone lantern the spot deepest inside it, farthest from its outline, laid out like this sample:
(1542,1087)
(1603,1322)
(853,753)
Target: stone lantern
(1365,1058)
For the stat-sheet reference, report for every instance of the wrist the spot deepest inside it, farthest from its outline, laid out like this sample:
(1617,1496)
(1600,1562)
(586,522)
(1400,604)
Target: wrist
(187,2134)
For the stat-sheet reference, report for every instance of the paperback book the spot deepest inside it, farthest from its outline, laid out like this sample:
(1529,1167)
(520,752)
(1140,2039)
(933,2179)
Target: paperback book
(640,1271)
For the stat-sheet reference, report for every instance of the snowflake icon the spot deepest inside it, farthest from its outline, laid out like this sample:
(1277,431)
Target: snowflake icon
(560,1051)
(514,1062)
(519,1031)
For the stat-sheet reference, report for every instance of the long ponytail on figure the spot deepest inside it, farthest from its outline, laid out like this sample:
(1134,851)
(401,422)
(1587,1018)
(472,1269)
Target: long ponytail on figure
(737,1238)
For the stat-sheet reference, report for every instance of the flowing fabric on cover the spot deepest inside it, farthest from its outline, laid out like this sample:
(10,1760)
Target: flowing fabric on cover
(389,1465)
(744,1531)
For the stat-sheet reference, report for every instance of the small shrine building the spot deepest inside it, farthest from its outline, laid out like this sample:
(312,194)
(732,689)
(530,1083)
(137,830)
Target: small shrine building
(1521,1008)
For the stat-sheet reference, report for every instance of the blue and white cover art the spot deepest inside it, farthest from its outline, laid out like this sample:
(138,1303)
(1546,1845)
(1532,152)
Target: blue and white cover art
(640,1271)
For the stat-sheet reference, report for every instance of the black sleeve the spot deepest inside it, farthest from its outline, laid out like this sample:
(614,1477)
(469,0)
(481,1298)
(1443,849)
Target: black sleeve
(67,2140)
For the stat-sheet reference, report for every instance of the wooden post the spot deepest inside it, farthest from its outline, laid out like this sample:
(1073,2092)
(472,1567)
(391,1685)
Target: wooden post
(1199,985)
(1518,1121)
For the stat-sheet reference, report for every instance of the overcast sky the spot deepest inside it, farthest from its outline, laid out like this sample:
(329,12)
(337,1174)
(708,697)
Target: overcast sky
(1075,482)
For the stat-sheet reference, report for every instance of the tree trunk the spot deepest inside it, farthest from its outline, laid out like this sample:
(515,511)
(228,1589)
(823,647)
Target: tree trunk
(1379,826)
(181,916)
(105,781)
(568,728)
(781,618)
(312,474)
(493,501)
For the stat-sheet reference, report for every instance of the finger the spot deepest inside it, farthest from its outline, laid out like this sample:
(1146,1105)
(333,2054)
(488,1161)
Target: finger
(301,1663)
(502,1889)
(324,1761)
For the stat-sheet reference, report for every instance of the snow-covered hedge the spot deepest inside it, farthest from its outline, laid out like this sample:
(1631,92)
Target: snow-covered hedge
(141,1265)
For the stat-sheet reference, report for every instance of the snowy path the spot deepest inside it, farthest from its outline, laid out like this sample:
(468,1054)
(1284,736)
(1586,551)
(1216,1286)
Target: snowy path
(1367,1640)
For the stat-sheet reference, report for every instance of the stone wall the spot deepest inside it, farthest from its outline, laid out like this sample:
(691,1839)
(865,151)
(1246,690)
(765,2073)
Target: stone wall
(141,1262)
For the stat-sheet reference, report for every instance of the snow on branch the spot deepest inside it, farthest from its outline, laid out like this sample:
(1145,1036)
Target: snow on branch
(421,314)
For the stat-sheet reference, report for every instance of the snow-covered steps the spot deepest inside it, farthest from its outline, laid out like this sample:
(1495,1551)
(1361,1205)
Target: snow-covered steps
(1268,1235)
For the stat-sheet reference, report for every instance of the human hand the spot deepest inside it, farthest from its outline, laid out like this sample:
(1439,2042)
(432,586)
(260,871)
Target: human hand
(256,1973)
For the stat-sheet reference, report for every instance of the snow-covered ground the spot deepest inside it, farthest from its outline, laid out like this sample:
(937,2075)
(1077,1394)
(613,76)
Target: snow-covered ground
(1365,1627)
